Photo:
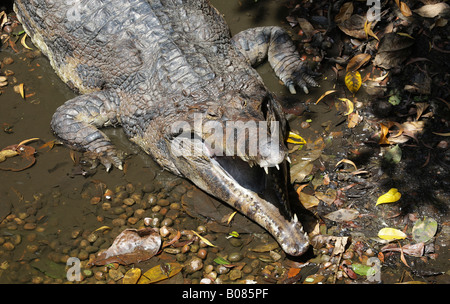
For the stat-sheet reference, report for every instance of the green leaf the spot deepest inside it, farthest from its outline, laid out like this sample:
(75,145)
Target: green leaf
(221,261)
(395,98)
(393,155)
(424,230)
(363,270)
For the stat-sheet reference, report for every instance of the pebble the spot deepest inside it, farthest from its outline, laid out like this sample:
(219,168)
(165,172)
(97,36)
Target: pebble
(115,274)
(202,253)
(235,242)
(235,274)
(129,201)
(235,257)
(193,265)
(8,246)
(163,202)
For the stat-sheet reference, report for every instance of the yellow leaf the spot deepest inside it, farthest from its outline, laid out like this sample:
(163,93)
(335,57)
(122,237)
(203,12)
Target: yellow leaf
(349,105)
(159,273)
(368,30)
(390,197)
(19,89)
(296,139)
(6,154)
(231,217)
(24,43)
(102,228)
(207,242)
(391,234)
(353,81)
(347,161)
(405,35)
(132,276)
(325,94)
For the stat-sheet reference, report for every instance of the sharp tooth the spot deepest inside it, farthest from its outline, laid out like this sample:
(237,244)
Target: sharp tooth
(295,218)
(288,159)
(266,169)
(278,168)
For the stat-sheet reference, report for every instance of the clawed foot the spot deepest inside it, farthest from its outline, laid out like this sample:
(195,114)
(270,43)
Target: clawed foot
(108,158)
(303,78)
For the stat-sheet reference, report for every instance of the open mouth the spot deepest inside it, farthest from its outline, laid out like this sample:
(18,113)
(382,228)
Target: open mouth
(269,183)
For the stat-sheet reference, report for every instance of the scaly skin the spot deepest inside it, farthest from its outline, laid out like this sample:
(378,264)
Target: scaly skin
(147,64)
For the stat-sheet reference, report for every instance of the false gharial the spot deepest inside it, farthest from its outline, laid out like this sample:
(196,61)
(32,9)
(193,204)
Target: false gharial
(158,67)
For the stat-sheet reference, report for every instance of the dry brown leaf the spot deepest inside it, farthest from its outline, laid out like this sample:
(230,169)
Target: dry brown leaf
(353,120)
(325,94)
(347,161)
(357,61)
(308,201)
(131,246)
(433,10)
(345,12)
(383,137)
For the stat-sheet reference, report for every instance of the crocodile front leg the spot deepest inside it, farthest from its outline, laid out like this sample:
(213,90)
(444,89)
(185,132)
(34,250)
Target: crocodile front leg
(272,42)
(76,122)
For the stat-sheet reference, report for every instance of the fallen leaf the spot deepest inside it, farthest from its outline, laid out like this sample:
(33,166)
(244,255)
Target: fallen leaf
(433,10)
(308,201)
(342,215)
(300,170)
(4,154)
(314,279)
(296,139)
(368,30)
(347,161)
(389,197)
(357,61)
(325,94)
(393,154)
(353,120)
(22,41)
(131,246)
(353,81)
(424,230)
(383,137)
(415,250)
(345,12)
(390,234)
(19,89)
(230,218)
(404,8)
(205,240)
(328,197)
(132,276)
(363,270)
(221,261)
(102,228)
(349,105)
(159,273)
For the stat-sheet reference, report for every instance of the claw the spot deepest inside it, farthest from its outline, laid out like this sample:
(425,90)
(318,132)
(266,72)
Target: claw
(278,167)
(292,89)
(305,89)
(266,169)
(288,159)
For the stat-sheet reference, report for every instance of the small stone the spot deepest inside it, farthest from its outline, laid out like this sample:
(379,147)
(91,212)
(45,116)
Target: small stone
(175,206)
(29,226)
(181,257)
(32,248)
(193,265)
(87,273)
(167,222)
(235,274)
(8,246)
(92,237)
(132,220)
(235,257)
(115,274)
(201,229)
(118,222)
(129,201)
(163,202)
(235,242)
(202,253)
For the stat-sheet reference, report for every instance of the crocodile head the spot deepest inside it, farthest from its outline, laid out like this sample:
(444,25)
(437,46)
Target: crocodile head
(238,155)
